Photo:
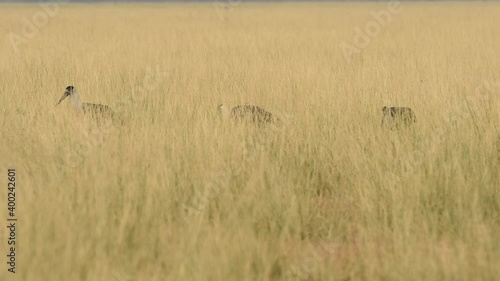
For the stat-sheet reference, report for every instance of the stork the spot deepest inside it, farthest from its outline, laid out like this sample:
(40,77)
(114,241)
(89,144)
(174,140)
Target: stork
(96,111)
(249,113)
(396,116)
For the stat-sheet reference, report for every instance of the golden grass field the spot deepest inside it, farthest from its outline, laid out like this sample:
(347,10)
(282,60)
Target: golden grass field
(178,194)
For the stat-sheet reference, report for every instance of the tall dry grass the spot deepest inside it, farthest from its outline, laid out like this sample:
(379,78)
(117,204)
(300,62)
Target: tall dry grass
(176,194)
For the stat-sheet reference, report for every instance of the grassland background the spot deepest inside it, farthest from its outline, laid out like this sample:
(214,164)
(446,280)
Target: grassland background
(420,204)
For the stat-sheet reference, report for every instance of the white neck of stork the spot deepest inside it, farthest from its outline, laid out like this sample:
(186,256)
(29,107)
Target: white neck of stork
(224,111)
(75,101)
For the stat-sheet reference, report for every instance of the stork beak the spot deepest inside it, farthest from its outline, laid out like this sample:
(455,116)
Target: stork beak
(62,98)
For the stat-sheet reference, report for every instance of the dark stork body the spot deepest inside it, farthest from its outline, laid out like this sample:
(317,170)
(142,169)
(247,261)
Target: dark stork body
(96,111)
(249,113)
(394,117)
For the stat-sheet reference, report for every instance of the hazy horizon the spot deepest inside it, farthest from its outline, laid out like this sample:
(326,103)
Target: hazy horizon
(229,1)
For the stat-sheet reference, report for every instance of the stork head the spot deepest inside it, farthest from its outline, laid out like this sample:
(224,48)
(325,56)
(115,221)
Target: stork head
(68,92)
(223,110)
(73,96)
